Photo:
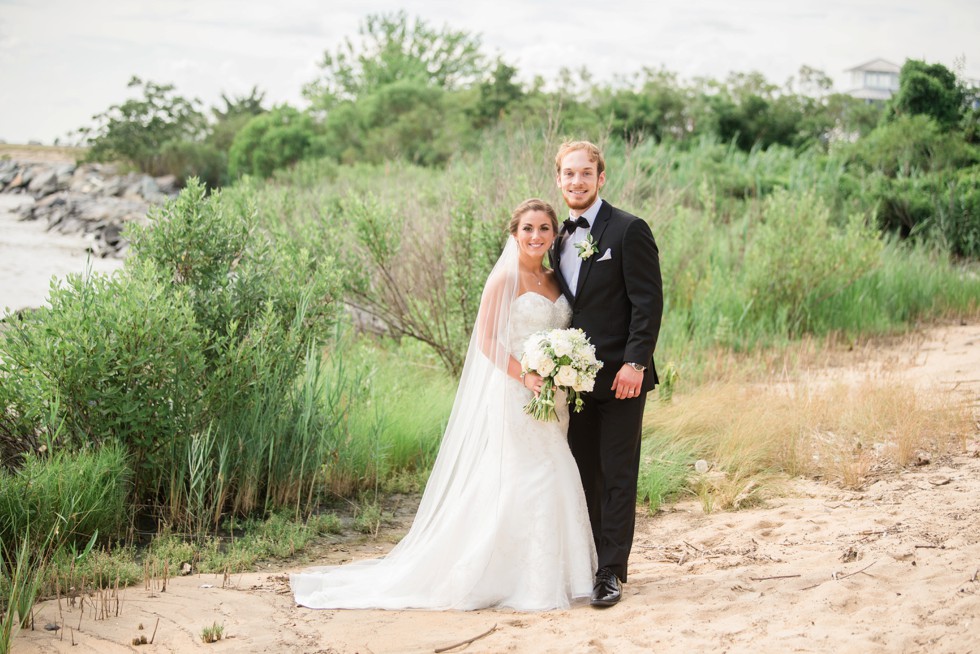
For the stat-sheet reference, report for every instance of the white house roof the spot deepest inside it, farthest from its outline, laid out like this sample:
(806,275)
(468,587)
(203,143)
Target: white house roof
(877,66)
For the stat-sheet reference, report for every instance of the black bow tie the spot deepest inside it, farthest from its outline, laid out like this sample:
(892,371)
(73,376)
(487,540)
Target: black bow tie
(570,224)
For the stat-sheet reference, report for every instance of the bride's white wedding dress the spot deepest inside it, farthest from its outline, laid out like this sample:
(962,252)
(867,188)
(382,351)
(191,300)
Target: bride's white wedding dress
(503,520)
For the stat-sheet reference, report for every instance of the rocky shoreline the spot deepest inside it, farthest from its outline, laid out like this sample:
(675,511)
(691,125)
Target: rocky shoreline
(94,201)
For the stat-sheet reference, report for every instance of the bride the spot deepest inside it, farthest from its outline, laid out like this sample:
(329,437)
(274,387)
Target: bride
(503,520)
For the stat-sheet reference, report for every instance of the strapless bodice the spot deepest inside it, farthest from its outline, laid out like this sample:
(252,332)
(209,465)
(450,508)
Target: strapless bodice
(532,312)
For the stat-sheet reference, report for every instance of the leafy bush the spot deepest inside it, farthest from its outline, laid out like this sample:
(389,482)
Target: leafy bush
(113,359)
(200,358)
(911,145)
(928,90)
(958,214)
(942,208)
(211,248)
(273,140)
(186,159)
(797,259)
(263,304)
(387,269)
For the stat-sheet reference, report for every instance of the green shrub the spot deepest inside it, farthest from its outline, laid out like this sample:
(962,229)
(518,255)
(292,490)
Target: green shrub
(273,140)
(264,304)
(797,259)
(112,359)
(942,208)
(211,248)
(73,495)
(957,217)
(186,159)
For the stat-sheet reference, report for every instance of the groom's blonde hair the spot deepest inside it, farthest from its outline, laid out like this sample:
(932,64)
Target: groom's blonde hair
(591,150)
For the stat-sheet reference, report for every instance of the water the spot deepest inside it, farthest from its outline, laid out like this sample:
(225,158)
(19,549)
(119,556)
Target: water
(30,256)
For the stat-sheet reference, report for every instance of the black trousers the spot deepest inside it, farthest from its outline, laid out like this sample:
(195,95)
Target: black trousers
(605,441)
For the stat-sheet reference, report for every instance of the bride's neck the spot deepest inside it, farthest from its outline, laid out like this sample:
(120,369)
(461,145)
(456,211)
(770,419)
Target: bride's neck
(530,264)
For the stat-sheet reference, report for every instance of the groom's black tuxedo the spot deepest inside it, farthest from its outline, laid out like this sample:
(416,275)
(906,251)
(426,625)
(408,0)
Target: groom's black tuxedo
(618,303)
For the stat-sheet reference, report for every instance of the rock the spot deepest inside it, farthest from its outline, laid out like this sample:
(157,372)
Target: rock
(64,175)
(86,199)
(112,234)
(148,188)
(71,225)
(168,185)
(43,183)
(16,182)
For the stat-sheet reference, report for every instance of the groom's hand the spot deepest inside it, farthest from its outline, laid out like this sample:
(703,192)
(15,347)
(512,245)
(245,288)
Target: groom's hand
(627,383)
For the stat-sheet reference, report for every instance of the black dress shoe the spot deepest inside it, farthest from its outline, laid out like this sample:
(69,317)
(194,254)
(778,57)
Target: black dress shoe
(607,590)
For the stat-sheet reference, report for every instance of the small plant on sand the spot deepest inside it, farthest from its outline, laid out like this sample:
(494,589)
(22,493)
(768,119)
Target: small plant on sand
(369,518)
(213,633)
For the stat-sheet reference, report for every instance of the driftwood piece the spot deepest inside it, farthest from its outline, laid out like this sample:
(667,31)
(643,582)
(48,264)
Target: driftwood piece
(467,641)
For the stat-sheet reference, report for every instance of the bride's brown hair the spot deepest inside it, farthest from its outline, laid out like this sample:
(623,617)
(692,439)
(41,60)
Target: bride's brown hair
(533,204)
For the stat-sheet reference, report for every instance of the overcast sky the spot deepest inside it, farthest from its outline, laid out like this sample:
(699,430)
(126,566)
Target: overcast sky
(62,61)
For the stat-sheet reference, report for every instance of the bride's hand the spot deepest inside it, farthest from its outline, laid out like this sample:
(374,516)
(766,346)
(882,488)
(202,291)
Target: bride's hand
(533,382)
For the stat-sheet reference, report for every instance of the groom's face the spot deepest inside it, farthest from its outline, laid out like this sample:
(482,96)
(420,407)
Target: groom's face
(578,181)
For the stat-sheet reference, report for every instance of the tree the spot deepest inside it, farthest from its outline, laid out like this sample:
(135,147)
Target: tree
(392,50)
(657,110)
(235,114)
(273,140)
(240,105)
(497,95)
(813,81)
(137,130)
(930,90)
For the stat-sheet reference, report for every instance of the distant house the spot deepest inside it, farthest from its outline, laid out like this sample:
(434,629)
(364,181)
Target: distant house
(875,81)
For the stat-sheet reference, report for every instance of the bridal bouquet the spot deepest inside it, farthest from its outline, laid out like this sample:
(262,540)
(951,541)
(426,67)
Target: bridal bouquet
(566,360)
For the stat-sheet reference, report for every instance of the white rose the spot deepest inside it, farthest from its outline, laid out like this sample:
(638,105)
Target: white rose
(566,376)
(585,384)
(562,346)
(545,366)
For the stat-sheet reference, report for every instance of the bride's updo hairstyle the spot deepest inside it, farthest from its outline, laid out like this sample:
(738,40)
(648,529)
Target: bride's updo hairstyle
(534,204)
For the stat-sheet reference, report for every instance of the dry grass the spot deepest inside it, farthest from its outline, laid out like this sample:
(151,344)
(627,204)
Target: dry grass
(754,434)
(41,153)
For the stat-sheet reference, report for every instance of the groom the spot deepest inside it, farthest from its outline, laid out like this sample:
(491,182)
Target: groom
(608,267)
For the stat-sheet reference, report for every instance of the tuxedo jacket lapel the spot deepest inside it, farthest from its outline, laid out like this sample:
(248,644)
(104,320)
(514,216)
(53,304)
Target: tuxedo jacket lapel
(599,226)
(556,266)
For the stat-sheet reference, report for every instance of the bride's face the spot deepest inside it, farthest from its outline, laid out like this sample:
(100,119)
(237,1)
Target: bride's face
(535,233)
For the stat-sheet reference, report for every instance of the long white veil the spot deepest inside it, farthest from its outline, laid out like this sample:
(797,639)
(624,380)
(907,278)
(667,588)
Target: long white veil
(448,548)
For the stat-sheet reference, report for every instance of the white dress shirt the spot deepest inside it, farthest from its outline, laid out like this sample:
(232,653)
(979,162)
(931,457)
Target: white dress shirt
(570,262)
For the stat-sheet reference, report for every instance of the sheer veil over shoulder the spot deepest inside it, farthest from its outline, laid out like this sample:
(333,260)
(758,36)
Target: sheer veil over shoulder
(502,520)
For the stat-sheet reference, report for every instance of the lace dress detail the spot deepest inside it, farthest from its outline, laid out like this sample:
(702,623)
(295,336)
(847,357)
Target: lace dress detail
(515,533)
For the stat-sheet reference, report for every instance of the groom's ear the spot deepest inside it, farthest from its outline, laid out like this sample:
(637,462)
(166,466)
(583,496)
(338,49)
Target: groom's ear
(602,179)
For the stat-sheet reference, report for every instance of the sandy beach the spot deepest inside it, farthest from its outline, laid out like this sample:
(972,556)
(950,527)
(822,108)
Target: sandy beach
(893,567)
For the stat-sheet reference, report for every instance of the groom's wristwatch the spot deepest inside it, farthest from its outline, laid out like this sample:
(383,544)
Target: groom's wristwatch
(635,366)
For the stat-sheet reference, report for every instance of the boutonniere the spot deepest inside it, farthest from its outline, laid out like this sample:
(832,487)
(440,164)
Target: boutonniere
(587,247)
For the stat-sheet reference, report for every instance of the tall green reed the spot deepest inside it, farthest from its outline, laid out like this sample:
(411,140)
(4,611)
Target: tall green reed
(54,503)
